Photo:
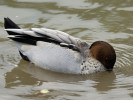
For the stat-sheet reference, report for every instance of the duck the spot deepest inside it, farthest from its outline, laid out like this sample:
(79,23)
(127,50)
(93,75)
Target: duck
(58,51)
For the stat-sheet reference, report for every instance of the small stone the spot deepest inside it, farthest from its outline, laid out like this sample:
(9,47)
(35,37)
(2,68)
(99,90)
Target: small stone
(44,91)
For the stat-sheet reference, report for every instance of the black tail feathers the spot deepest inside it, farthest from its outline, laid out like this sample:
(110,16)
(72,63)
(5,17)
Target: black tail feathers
(9,24)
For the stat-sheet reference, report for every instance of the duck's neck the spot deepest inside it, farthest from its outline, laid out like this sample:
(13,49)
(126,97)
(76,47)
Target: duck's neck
(91,65)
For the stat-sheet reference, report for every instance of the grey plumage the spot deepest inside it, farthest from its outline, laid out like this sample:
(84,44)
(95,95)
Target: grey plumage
(52,49)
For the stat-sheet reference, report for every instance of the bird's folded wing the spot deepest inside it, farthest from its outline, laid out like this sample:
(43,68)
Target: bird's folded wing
(43,34)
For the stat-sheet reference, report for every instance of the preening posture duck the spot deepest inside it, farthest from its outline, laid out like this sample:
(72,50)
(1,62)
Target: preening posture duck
(57,51)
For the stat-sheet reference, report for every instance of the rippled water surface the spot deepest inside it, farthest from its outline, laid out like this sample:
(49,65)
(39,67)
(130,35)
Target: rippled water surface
(91,20)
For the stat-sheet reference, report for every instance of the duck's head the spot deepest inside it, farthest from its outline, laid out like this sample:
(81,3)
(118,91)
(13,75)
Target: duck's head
(105,53)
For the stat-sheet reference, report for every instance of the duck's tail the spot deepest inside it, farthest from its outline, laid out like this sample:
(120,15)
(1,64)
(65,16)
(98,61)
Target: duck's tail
(9,24)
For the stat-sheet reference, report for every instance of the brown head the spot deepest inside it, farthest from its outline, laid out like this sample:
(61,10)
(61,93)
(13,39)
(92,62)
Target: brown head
(105,53)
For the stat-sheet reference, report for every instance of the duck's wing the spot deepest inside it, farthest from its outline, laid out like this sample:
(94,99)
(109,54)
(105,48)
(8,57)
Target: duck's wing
(42,34)
(31,37)
(62,38)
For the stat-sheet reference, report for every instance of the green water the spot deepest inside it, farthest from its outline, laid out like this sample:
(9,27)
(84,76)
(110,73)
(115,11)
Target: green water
(91,20)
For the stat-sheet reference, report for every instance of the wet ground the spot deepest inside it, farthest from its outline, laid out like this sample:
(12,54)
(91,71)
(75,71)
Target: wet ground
(90,20)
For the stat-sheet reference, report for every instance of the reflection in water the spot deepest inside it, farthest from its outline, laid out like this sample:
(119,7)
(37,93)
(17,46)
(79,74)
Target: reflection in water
(26,69)
(28,74)
(105,81)
(19,78)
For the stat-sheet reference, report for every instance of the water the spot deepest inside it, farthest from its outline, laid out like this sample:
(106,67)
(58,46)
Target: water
(91,20)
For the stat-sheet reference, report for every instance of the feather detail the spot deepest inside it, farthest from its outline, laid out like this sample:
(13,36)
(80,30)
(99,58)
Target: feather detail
(19,31)
(31,33)
(47,35)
